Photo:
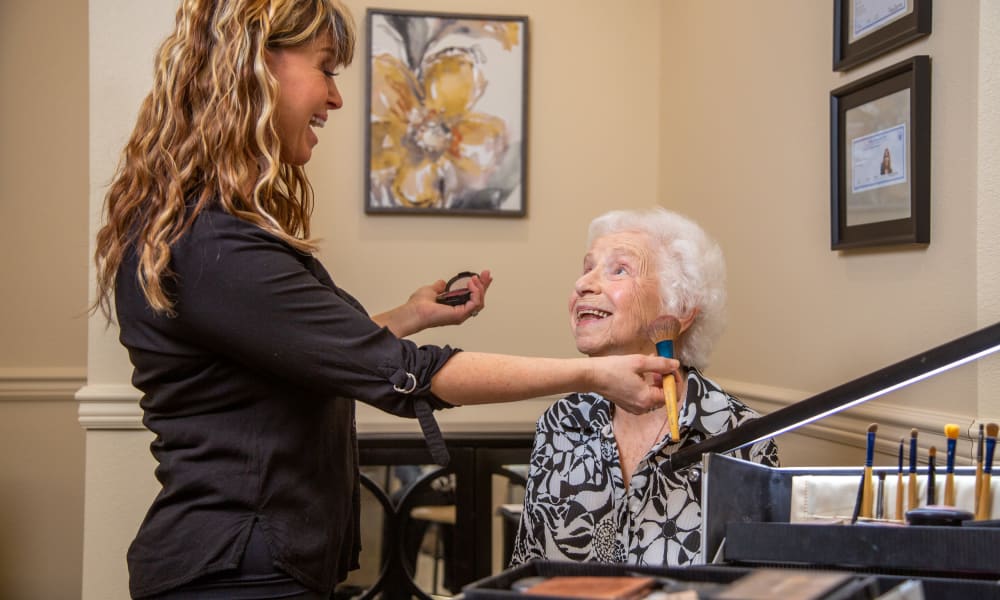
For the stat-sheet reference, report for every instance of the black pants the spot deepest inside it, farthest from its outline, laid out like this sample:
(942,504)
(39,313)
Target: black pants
(255,579)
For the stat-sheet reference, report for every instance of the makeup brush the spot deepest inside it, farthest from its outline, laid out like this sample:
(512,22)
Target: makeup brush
(985,497)
(931,496)
(899,484)
(857,501)
(866,493)
(663,331)
(950,432)
(979,467)
(880,496)
(913,501)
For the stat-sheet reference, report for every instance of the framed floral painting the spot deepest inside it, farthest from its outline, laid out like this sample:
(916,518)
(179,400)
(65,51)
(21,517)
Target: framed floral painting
(446,104)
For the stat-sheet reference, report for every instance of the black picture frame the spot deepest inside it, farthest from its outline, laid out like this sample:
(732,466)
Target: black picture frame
(446,113)
(873,121)
(858,38)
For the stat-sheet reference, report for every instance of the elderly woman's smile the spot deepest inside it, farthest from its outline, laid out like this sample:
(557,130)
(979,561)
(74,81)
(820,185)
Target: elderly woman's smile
(588,314)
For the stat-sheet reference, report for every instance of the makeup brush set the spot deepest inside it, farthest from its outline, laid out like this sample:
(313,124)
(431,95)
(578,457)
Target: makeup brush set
(966,499)
(814,518)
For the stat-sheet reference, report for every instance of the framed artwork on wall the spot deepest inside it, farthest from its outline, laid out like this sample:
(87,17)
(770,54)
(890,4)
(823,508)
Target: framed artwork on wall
(446,114)
(880,158)
(866,29)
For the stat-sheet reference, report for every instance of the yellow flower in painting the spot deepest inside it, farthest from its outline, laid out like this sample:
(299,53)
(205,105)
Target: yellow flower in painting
(428,145)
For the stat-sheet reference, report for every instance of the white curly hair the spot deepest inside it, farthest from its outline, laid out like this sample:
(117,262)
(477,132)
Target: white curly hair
(691,272)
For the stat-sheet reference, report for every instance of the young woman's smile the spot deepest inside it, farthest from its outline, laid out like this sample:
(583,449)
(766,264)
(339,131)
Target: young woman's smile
(306,92)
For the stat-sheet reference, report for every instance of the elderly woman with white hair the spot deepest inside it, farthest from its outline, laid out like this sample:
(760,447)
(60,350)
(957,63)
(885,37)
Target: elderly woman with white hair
(596,490)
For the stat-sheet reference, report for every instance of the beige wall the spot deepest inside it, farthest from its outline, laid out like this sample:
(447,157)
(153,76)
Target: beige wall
(745,138)
(43,175)
(43,321)
(746,150)
(587,114)
(718,109)
(592,110)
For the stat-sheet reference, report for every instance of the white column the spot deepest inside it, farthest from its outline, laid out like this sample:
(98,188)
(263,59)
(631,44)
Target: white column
(988,200)
(119,483)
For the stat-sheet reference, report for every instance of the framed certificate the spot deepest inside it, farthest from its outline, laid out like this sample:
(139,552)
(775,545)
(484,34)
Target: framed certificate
(880,158)
(865,29)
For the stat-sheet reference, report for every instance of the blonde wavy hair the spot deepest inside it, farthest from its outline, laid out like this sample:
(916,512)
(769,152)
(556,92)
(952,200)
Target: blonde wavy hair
(206,133)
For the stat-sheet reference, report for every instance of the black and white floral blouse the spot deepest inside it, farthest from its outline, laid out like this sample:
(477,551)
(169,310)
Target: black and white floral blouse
(576,506)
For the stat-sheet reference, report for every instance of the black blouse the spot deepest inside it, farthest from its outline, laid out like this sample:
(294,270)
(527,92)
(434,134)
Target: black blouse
(249,391)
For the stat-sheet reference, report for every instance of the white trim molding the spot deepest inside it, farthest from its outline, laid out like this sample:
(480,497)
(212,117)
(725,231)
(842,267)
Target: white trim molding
(850,427)
(116,406)
(109,406)
(41,383)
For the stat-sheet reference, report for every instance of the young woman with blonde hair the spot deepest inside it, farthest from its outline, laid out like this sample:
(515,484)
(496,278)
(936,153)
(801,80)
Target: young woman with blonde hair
(246,352)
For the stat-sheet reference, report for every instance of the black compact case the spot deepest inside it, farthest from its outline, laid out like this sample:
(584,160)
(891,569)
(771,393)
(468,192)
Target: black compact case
(456,297)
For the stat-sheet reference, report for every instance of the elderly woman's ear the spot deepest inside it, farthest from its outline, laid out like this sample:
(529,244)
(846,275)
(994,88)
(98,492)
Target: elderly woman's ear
(688,320)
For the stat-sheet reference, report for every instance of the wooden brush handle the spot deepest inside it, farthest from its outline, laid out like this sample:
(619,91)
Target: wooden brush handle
(985,501)
(899,497)
(979,485)
(914,498)
(866,495)
(670,399)
(949,489)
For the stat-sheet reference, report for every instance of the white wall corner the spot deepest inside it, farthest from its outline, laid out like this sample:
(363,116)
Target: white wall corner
(987,192)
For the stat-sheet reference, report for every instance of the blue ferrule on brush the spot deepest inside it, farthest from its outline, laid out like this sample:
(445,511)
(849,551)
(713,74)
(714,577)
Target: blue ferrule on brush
(951,455)
(870,456)
(990,446)
(665,348)
(913,455)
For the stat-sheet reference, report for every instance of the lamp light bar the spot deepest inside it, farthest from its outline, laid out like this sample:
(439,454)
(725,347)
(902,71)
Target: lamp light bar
(927,364)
